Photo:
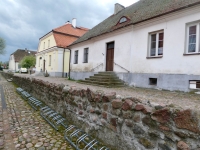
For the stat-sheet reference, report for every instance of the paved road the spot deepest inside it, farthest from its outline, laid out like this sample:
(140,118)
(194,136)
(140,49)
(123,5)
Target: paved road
(21,128)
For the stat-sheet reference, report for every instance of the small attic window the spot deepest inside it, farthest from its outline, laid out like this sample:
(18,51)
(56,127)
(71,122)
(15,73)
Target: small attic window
(123,19)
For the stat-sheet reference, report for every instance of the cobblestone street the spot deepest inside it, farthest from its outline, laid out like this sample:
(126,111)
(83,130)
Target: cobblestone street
(22,128)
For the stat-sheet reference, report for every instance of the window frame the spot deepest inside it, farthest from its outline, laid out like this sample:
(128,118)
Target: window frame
(123,19)
(197,24)
(157,44)
(76,57)
(85,54)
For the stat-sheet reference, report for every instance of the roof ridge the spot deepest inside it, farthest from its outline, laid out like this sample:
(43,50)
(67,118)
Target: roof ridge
(61,26)
(138,12)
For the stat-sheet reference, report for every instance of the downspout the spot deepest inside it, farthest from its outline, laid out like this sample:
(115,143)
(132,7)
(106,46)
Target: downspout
(63,63)
(69,61)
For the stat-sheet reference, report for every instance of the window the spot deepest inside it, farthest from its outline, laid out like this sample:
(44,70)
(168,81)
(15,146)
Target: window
(193,38)
(49,60)
(152,81)
(44,46)
(85,56)
(48,43)
(123,19)
(76,57)
(194,84)
(156,44)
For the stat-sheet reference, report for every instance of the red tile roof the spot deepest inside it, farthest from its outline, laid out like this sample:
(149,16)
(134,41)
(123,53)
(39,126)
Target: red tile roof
(67,34)
(69,29)
(63,40)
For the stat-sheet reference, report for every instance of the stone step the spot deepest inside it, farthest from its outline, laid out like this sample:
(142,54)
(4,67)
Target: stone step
(103,83)
(105,75)
(103,79)
(108,86)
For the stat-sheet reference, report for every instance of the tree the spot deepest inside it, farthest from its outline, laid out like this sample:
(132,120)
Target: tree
(2,46)
(28,61)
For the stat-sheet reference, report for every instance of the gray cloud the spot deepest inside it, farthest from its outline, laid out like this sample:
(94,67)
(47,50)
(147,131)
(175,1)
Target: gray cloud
(23,22)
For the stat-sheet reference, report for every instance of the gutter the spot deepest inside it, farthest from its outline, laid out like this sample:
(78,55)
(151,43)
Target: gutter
(69,61)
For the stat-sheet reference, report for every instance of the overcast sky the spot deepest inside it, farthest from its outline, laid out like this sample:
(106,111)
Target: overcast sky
(23,22)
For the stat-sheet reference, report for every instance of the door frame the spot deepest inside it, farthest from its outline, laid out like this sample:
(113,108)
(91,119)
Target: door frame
(106,48)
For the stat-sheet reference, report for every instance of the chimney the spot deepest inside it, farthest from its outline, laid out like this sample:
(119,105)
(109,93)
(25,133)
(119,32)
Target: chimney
(118,8)
(74,22)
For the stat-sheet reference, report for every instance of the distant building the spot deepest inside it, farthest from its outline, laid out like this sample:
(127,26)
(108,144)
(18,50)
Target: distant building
(17,56)
(150,44)
(52,55)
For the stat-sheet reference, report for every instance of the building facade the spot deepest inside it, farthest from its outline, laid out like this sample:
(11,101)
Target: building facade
(52,55)
(16,57)
(146,46)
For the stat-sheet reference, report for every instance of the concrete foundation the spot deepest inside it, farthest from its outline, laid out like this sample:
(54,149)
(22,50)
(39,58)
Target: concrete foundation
(179,82)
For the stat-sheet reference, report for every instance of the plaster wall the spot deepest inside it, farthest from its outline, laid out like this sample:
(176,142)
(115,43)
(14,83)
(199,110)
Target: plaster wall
(46,39)
(131,47)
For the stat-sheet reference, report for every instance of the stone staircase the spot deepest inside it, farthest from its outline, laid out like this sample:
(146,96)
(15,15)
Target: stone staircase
(104,79)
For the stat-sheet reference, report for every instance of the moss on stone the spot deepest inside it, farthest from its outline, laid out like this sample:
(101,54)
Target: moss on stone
(146,143)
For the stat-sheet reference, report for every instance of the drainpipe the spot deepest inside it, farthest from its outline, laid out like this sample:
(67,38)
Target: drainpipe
(63,72)
(69,61)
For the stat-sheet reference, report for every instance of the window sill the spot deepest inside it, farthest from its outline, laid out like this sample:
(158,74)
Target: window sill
(152,57)
(85,62)
(188,54)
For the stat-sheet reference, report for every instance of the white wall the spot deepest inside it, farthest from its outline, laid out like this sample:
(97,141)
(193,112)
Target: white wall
(11,63)
(97,52)
(131,46)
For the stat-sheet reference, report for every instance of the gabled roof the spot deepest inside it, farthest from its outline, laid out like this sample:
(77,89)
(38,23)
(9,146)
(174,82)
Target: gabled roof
(138,12)
(63,40)
(70,30)
(21,53)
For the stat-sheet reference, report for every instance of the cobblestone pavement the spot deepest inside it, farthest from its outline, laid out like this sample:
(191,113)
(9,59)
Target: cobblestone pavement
(21,128)
(161,97)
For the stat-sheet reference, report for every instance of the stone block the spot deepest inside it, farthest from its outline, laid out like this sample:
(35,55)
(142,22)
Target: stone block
(182,146)
(162,116)
(149,122)
(127,105)
(113,121)
(145,109)
(127,114)
(129,123)
(186,120)
(105,107)
(117,103)
(138,130)
(104,115)
(108,97)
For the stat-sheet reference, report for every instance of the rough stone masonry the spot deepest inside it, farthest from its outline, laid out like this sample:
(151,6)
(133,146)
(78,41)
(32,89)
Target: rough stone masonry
(122,123)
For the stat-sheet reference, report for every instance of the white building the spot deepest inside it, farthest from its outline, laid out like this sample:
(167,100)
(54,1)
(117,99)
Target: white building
(152,44)
(16,57)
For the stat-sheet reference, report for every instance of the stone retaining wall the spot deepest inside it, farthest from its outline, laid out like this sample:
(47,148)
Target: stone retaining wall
(123,123)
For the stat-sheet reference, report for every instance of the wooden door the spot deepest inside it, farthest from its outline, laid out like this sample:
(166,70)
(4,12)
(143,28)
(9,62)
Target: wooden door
(109,59)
